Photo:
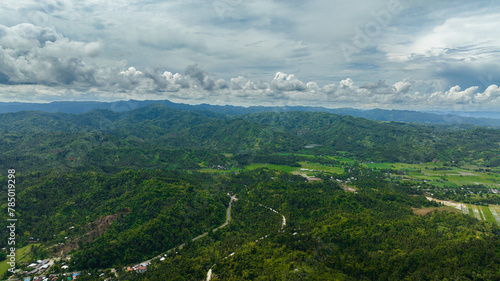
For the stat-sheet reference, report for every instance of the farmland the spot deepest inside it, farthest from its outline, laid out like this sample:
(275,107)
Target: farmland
(487,213)
(22,255)
(467,189)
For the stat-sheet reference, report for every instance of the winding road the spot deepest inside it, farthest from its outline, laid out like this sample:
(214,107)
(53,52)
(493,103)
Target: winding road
(283,224)
(228,218)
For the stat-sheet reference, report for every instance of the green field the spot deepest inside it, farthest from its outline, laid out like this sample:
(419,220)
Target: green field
(284,168)
(495,211)
(22,254)
(487,214)
(434,173)
(471,212)
(484,212)
(321,167)
(211,170)
(314,167)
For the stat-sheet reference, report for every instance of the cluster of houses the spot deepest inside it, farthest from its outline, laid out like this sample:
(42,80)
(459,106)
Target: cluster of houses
(52,278)
(344,181)
(141,268)
(39,267)
(219,167)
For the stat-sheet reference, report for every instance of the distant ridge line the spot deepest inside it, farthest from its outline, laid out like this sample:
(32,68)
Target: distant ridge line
(437,118)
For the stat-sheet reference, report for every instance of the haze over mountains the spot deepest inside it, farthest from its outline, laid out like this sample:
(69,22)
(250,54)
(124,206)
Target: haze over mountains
(479,118)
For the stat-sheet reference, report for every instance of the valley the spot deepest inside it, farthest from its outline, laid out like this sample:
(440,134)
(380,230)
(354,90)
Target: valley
(143,195)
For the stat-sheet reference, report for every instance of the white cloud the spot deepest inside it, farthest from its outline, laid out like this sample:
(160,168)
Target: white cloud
(197,86)
(287,82)
(454,95)
(32,54)
(42,64)
(401,87)
(255,51)
(459,38)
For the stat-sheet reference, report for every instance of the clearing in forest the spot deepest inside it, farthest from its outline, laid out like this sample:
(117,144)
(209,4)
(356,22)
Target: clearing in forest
(488,215)
(495,212)
(477,213)
(424,211)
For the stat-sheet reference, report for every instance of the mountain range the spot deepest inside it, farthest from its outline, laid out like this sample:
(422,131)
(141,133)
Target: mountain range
(373,114)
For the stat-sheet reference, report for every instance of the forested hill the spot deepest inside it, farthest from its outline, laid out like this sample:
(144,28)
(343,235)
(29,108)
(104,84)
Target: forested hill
(374,114)
(114,189)
(101,120)
(80,139)
(386,141)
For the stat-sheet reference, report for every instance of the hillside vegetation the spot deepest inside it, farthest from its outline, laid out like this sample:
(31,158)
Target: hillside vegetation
(37,140)
(113,189)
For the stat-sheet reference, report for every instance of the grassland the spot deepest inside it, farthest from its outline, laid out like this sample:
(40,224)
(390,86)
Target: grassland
(321,167)
(306,168)
(471,212)
(488,216)
(284,168)
(442,176)
(489,213)
(438,174)
(425,211)
(495,211)
(433,175)
(22,255)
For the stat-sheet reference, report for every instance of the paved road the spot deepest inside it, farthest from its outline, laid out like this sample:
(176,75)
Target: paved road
(228,218)
(283,224)
(228,213)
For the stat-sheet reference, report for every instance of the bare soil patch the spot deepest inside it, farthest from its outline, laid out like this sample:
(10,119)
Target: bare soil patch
(462,174)
(348,188)
(425,211)
(92,231)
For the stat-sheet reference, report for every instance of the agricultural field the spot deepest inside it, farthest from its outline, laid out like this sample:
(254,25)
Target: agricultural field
(490,213)
(321,167)
(283,168)
(495,211)
(22,255)
(469,184)
(432,176)
(453,176)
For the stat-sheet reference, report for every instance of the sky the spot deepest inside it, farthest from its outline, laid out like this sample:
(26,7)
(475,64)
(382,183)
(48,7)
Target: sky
(390,54)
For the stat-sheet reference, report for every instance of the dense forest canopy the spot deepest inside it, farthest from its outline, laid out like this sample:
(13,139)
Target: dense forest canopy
(77,140)
(113,189)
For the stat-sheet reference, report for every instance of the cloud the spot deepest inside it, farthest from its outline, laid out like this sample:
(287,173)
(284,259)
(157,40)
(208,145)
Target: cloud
(33,54)
(401,87)
(197,86)
(460,49)
(37,59)
(490,95)
(458,38)
(258,52)
(202,79)
(454,95)
(287,82)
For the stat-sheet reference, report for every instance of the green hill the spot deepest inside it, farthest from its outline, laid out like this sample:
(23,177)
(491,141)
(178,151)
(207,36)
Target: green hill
(114,189)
